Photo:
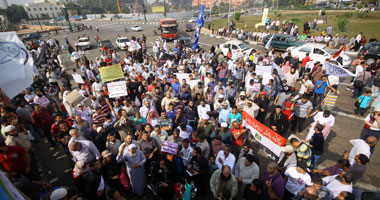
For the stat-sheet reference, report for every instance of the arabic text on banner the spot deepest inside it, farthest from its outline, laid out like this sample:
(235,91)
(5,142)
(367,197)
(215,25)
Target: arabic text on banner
(263,134)
(169,147)
(117,89)
(110,73)
(337,71)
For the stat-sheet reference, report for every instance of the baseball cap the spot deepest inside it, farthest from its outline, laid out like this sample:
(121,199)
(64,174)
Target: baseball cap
(58,194)
(287,148)
(106,153)
(9,128)
(223,124)
(263,93)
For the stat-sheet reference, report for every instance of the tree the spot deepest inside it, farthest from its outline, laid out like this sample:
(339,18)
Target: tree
(14,13)
(237,16)
(342,23)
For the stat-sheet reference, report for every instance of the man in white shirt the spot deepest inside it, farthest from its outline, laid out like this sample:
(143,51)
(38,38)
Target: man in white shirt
(225,157)
(335,185)
(203,108)
(361,147)
(84,150)
(96,87)
(298,178)
(323,118)
(306,85)
(76,57)
(291,77)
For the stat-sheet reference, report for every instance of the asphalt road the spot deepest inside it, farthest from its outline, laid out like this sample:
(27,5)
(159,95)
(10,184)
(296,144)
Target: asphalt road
(348,126)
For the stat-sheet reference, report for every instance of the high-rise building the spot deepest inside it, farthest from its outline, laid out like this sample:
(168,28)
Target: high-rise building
(3,3)
(55,1)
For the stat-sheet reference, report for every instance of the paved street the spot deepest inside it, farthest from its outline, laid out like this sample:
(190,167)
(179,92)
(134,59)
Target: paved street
(347,126)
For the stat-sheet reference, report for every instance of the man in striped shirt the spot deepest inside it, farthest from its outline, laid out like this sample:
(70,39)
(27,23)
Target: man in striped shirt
(223,73)
(239,76)
(329,101)
(101,112)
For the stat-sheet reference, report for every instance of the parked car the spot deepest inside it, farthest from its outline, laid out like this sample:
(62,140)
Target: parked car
(122,43)
(371,52)
(136,28)
(282,42)
(187,43)
(317,52)
(32,36)
(235,46)
(192,20)
(106,43)
(60,18)
(223,16)
(84,43)
(189,28)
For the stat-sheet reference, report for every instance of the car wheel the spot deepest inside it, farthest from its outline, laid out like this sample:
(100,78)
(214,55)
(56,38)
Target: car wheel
(369,61)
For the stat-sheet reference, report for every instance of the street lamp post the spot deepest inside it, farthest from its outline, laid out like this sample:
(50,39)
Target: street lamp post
(229,11)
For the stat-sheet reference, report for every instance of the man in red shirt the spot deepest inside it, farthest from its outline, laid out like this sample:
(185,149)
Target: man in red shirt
(303,65)
(14,158)
(43,120)
(237,131)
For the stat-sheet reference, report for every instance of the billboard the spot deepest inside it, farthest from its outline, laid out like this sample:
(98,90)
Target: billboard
(158,9)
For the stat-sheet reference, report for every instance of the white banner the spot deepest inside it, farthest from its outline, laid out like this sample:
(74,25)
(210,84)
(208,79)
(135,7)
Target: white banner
(337,71)
(78,79)
(117,89)
(279,70)
(15,63)
(261,70)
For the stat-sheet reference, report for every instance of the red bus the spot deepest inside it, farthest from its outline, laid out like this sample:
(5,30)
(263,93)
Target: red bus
(169,28)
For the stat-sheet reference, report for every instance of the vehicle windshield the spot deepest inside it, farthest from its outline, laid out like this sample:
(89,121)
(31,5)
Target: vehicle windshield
(243,46)
(292,39)
(328,50)
(124,40)
(171,29)
(107,42)
(83,40)
(367,46)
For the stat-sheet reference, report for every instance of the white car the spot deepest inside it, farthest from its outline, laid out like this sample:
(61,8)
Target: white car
(122,43)
(192,20)
(236,46)
(317,53)
(136,28)
(84,43)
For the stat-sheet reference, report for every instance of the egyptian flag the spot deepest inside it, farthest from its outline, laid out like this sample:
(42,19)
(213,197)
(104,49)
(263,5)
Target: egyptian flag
(338,56)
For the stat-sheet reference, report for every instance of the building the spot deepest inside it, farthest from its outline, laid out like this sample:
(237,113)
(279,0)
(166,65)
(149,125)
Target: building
(43,10)
(55,1)
(210,3)
(3,3)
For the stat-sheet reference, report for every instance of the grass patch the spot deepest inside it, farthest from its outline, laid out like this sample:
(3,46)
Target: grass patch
(368,25)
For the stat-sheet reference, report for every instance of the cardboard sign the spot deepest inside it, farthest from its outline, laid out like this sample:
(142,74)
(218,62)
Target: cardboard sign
(256,87)
(261,70)
(74,98)
(78,79)
(169,147)
(117,89)
(269,139)
(110,73)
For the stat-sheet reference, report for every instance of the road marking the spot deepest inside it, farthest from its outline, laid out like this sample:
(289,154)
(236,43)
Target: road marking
(205,44)
(68,170)
(55,154)
(60,157)
(348,115)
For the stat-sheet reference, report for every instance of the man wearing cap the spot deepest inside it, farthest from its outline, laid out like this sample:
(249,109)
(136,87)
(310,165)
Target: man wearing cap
(241,101)
(298,179)
(246,170)
(135,161)
(110,170)
(15,139)
(205,127)
(58,194)
(220,101)
(288,158)
(224,111)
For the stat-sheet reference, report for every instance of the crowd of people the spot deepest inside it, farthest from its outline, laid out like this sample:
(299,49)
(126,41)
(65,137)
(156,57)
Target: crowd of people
(114,144)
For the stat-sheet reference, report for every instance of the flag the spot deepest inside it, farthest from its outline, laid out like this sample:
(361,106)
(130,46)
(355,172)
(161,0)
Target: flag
(338,56)
(200,24)
(279,70)
(267,46)
(335,70)
(15,63)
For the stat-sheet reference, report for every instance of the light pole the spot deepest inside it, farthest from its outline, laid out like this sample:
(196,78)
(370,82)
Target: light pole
(229,10)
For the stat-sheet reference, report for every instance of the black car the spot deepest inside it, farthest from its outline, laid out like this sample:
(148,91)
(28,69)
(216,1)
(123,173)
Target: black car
(371,52)
(106,43)
(32,36)
(186,42)
(189,28)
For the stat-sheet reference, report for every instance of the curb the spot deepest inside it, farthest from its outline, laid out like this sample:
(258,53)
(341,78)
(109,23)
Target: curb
(226,38)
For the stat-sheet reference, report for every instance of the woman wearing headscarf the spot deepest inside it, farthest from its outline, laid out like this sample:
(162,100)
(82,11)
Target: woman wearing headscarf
(152,118)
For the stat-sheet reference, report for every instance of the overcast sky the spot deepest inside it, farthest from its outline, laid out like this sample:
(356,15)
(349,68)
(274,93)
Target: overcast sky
(20,2)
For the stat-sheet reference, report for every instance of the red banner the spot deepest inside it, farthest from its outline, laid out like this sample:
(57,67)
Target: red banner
(264,130)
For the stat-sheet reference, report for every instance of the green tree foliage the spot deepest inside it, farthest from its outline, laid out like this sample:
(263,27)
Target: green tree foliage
(342,23)
(102,6)
(237,16)
(14,13)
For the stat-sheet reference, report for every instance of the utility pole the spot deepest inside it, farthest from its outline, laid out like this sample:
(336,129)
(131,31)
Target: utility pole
(164,8)
(144,11)
(229,11)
